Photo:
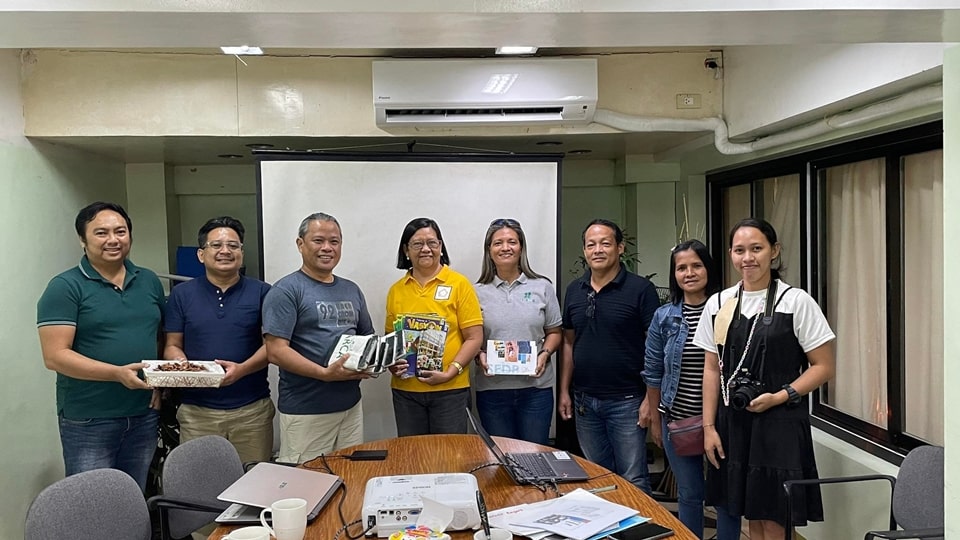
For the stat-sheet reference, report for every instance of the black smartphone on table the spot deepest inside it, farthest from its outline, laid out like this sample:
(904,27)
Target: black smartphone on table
(368,455)
(643,531)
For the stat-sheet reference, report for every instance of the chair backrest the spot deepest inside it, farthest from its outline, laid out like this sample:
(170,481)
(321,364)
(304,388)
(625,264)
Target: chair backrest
(199,470)
(103,503)
(918,495)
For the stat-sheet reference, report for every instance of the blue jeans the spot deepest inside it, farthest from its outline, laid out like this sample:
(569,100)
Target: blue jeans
(610,437)
(523,413)
(428,413)
(126,443)
(688,470)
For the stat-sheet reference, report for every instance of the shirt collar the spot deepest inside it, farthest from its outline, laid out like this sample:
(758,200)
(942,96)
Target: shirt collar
(207,283)
(497,281)
(617,281)
(89,272)
(442,277)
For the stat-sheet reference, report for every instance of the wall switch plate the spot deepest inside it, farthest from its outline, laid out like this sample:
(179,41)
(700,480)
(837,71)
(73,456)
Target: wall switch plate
(688,101)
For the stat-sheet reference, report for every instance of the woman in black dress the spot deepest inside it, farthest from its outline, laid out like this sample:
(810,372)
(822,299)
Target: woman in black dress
(767,346)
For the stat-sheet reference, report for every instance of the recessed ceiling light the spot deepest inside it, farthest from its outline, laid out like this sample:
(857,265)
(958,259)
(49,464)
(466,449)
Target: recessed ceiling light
(259,146)
(230,156)
(516,49)
(580,152)
(549,143)
(242,49)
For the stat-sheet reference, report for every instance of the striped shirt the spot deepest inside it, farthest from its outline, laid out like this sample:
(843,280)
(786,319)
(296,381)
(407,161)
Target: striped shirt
(689,399)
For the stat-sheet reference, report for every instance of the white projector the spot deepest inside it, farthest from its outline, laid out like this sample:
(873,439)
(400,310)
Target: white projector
(391,503)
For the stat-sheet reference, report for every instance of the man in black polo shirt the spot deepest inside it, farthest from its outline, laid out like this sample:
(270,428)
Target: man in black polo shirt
(605,317)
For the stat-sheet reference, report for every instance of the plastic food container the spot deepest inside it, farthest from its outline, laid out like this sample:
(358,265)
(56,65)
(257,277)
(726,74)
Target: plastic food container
(208,376)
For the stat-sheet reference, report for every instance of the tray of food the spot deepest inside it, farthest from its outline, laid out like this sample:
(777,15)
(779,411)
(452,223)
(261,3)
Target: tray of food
(182,373)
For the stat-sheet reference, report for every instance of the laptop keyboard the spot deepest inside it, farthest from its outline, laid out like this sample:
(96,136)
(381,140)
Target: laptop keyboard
(533,465)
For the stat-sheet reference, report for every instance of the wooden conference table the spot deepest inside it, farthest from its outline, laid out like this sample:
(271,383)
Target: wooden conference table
(461,453)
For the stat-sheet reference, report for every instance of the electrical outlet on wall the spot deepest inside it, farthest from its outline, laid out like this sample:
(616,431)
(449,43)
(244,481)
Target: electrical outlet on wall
(688,101)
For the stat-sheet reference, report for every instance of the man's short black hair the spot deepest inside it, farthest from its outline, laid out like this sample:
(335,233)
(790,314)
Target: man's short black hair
(216,223)
(87,213)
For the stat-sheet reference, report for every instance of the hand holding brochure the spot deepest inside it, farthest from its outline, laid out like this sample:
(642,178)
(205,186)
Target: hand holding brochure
(371,354)
(424,340)
(578,515)
(511,357)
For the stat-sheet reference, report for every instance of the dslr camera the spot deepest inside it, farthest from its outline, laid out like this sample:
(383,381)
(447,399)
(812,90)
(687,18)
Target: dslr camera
(744,389)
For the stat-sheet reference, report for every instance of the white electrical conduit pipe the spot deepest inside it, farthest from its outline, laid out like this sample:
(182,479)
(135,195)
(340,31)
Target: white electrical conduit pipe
(927,95)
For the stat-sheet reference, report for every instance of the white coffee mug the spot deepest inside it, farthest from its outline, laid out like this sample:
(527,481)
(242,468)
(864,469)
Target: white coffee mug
(289,518)
(249,533)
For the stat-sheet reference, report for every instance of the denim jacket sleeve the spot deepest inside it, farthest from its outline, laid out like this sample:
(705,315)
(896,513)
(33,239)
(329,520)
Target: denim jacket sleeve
(654,352)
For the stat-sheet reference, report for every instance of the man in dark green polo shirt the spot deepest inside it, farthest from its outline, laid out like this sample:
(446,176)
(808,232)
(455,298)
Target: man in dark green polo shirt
(97,322)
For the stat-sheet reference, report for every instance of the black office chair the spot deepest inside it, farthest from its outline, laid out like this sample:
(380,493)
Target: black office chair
(193,475)
(916,501)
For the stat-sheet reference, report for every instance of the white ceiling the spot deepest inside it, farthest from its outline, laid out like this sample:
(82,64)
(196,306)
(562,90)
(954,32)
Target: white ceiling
(464,28)
(452,24)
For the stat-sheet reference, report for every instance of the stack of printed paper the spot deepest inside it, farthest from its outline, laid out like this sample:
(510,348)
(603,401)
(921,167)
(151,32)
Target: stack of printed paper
(578,515)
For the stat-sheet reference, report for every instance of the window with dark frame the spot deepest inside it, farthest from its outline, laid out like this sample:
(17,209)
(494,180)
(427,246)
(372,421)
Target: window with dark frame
(861,225)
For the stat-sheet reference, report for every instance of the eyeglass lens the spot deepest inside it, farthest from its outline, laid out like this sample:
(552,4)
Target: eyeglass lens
(417,246)
(217,246)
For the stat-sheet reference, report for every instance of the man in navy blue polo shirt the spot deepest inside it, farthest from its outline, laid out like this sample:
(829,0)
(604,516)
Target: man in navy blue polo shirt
(217,317)
(606,313)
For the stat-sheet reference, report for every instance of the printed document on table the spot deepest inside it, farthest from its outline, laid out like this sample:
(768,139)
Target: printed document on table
(502,518)
(578,515)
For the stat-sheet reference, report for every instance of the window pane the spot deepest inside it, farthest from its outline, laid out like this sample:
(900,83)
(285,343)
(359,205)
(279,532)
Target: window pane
(736,206)
(923,298)
(781,207)
(855,269)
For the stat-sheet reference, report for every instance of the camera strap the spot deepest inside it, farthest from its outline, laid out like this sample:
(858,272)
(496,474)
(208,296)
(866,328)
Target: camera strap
(769,302)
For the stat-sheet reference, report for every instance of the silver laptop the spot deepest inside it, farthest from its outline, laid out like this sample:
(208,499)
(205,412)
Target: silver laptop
(266,483)
(533,467)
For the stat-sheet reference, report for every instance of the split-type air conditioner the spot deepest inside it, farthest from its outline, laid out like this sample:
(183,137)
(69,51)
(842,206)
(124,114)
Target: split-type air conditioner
(521,91)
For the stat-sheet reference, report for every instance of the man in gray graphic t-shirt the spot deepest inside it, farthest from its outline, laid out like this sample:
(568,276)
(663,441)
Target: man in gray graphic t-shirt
(304,315)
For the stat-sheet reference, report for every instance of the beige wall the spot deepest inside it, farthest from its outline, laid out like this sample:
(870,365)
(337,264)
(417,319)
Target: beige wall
(45,186)
(769,86)
(951,287)
(106,93)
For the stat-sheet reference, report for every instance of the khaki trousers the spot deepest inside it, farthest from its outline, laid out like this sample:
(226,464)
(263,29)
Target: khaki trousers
(248,428)
(306,436)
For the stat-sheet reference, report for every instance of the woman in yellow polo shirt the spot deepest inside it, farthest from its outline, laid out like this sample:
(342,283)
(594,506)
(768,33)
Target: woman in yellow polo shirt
(433,401)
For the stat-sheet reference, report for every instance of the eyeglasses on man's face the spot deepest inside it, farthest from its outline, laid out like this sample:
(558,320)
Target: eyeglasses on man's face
(417,245)
(217,245)
(591,304)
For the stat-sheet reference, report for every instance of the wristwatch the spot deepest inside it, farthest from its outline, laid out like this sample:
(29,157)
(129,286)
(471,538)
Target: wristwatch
(792,396)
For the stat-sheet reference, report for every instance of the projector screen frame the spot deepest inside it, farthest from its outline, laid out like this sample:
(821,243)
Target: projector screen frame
(378,408)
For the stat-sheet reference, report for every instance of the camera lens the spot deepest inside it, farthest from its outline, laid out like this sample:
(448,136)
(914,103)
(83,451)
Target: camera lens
(739,401)
(745,391)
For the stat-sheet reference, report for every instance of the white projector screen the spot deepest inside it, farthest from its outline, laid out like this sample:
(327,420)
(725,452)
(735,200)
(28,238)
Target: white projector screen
(373,198)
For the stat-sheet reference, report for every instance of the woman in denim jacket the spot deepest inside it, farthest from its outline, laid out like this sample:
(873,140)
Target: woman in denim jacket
(673,373)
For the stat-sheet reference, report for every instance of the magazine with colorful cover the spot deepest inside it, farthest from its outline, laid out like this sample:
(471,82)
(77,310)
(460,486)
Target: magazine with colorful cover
(424,338)
(511,357)
(372,354)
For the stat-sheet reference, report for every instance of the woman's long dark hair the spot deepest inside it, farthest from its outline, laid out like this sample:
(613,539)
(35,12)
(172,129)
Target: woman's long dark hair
(713,276)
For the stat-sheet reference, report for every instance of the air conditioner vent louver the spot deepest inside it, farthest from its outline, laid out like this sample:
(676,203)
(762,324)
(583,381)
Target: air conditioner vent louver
(477,92)
(451,112)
